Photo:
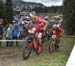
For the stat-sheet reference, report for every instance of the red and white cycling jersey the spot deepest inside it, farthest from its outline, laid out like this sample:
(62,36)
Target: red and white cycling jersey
(39,23)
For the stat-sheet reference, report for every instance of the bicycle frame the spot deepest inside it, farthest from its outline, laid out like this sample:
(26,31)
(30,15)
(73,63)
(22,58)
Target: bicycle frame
(33,41)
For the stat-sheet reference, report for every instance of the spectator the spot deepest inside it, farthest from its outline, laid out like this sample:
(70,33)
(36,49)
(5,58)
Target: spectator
(8,34)
(20,35)
(24,33)
(15,33)
(20,31)
(1,30)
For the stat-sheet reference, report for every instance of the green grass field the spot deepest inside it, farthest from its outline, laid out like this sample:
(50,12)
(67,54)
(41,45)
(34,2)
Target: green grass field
(58,58)
(45,58)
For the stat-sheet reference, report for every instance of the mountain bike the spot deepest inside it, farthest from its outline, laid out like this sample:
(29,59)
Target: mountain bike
(52,43)
(31,43)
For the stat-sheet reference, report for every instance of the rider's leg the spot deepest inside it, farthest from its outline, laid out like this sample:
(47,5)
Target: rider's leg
(58,42)
(40,45)
(35,43)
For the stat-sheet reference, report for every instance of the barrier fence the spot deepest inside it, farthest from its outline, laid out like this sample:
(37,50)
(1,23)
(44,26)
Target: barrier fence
(11,40)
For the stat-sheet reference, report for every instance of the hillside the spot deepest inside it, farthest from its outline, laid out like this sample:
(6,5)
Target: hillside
(19,5)
(31,3)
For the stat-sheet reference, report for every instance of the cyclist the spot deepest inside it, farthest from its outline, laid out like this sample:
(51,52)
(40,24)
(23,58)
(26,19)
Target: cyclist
(39,25)
(58,31)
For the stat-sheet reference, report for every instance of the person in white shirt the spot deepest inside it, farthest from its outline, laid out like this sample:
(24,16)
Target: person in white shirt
(8,34)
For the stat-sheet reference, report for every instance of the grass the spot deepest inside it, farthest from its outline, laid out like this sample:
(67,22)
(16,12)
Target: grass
(58,58)
(49,59)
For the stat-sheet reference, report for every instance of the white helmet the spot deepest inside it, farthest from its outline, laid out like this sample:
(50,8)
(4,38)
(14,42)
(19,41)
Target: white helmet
(54,26)
(32,13)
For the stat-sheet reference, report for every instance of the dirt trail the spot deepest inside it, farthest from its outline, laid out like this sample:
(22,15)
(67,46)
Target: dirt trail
(13,57)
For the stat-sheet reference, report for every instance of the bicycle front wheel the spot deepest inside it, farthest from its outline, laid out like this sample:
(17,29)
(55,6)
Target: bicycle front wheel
(52,46)
(26,50)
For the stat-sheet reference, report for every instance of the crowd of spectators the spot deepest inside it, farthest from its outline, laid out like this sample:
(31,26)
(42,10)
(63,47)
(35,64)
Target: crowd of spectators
(15,31)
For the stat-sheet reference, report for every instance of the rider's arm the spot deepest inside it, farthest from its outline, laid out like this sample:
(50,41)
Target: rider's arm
(60,31)
(46,24)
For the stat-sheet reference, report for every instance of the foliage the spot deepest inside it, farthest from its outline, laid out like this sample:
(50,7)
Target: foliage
(1,9)
(8,11)
(69,16)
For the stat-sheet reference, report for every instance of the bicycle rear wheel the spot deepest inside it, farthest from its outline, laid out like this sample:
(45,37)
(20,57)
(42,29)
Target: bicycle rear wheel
(37,50)
(37,53)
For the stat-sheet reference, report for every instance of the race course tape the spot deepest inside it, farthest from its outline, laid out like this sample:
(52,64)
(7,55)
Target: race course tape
(71,60)
(11,40)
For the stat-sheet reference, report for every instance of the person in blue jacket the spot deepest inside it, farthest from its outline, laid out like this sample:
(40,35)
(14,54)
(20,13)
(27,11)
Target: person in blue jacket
(15,34)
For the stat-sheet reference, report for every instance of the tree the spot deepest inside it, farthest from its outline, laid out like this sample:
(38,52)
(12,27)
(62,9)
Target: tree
(8,11)
(69,16)
(1,9)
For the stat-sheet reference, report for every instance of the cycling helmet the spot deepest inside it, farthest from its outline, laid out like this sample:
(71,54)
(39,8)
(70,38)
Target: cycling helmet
(54,26)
